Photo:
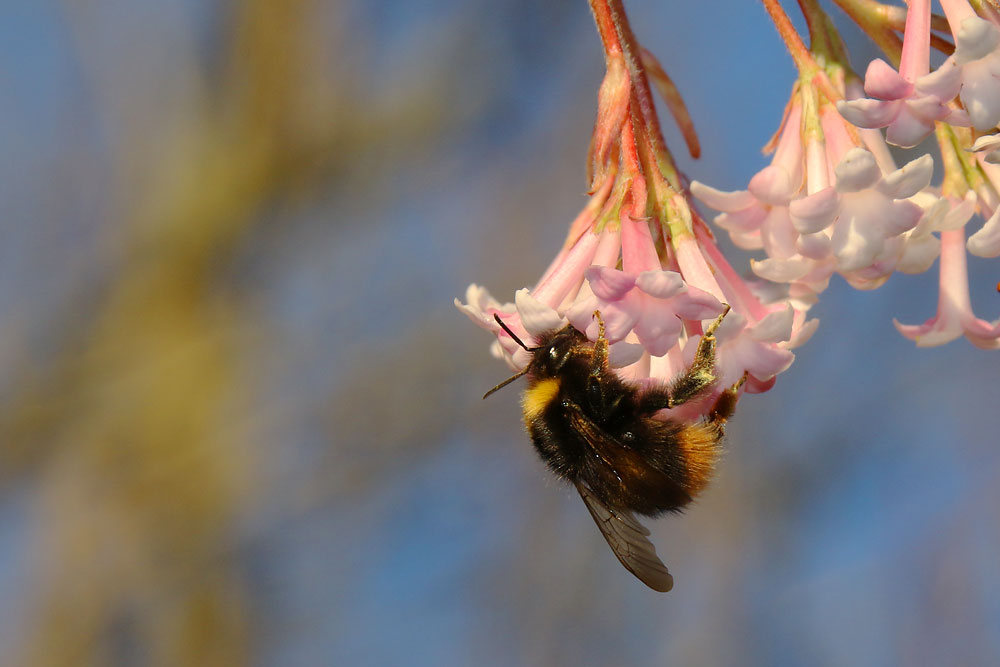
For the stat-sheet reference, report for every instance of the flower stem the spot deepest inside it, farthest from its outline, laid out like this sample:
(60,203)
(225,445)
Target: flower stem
(876,20)
(915,60)
(809,69)
(796,47)
(823,36)
(616,33)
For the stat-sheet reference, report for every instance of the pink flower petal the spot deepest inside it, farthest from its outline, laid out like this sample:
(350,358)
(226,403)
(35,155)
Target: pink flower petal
(927,108)
(884,82)
(762,360)
(958,213)
(928,334)
(776,327)
(813,246)
(907,129)
(623,354)
(536,317)
(479,307)
(943,83)
(989,144)
(857,171)
(773,185)
(802,334)
(720,200)
(746,220)
(986,242)
(868,113)
(782,270)
(959,118)
(815,212)
(661,284)
(658,329)
(609,284)
(855,246)
(696,304)
(919,254)
(981,96)
(986,142)
(976,39)
(913,177)
(901,216)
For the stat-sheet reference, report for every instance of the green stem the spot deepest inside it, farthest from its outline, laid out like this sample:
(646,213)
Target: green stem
(875,20)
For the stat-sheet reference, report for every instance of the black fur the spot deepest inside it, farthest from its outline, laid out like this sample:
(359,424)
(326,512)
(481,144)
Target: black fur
(599,429)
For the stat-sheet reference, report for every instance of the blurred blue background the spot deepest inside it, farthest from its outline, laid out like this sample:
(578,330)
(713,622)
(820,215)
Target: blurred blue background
(240,419)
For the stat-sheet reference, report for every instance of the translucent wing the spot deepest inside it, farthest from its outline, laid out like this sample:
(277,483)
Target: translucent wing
(628,539)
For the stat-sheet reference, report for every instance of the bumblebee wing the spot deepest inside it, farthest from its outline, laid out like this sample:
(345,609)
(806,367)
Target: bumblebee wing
(629,540)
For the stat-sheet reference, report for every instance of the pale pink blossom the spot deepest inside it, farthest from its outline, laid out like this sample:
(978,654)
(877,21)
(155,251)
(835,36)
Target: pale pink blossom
(907,109)
(848,213)
(758,217)
(988,146)
(954,316)
(986,241)
(653,304)
(910,101)
(654,310)
(921,247)
(976,64)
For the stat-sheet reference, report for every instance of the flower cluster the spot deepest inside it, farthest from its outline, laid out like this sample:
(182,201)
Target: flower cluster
(833,201)
(640,255)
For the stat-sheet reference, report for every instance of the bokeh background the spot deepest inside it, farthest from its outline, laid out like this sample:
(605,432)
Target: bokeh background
(240,419)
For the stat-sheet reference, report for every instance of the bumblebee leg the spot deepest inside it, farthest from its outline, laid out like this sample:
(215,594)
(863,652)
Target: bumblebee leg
(595,393)
(697,379)
(725,405)
(596,396)
(600,347)
(701,375)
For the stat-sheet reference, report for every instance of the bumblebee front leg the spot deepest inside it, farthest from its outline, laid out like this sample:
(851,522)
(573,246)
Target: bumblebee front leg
(699,377)
(600,347)
(598,369)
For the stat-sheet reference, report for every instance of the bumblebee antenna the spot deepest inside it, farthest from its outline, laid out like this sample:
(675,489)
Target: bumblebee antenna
(513,335)
(506,382)
(519,342)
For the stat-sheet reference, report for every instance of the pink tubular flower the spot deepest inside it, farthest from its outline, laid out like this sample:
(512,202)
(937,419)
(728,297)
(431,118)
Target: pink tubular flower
(954,314)
(653,316)
(758,217)
(907,102)
(652,304)
(844,211)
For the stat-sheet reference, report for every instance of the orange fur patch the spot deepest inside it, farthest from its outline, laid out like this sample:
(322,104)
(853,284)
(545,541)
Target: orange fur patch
(699,445)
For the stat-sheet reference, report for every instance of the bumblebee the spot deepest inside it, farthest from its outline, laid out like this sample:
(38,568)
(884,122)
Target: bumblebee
(598,432)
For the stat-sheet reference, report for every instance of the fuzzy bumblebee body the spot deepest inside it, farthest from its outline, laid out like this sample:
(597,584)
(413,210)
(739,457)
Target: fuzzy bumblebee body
(590,426)
(599,432)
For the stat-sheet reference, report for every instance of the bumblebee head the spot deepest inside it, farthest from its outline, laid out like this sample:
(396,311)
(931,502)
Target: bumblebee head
(548,358)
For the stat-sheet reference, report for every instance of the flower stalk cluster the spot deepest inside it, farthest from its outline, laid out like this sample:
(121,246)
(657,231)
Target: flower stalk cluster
(832,201)
(641,255)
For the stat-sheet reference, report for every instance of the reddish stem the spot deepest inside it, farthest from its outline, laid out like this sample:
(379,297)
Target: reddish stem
(610,18)
(800,54)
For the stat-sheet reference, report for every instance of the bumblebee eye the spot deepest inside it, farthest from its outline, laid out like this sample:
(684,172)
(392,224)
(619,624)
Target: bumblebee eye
(628,436)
